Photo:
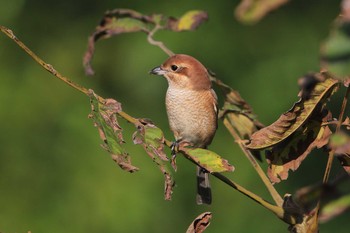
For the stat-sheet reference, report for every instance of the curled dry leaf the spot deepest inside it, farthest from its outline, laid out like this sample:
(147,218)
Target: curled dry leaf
(292,120)
(200,223)
(251,11)
(104,116)
(152,139)
(289,154)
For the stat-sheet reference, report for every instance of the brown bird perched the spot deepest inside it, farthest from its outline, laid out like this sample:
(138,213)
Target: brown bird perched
(191,105)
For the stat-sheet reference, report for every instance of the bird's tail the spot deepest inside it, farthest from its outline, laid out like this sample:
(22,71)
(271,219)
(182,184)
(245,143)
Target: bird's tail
(203,187)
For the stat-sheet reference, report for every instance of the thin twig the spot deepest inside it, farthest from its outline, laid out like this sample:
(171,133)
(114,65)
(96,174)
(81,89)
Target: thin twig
(278,210)
(275,195)
(332,151)
(57,74)
(46,66)
(158,43)
(340,121)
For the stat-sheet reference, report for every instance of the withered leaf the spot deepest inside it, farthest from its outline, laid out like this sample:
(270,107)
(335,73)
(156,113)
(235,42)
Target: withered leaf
(104,116)
(200,223)
(251,11)
(289,154)
(187,22)
(209,160)
(292,120)
(152,139)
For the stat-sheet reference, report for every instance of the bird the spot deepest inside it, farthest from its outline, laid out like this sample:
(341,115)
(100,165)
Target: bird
(191,106)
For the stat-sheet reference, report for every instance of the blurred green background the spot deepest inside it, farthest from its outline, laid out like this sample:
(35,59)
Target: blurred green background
(54,176)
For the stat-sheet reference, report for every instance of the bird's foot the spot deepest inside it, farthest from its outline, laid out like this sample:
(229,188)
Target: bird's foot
(174,148)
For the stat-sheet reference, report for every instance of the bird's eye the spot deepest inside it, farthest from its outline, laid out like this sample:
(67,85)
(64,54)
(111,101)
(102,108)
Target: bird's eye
(174,67)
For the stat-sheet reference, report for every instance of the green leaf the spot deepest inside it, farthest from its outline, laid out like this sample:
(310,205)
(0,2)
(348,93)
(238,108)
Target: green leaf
(209,160)
(187,22)
(318,89)
(104,116)
(335,208)
(340,142)
(152,139)
(251,11)
(335,50)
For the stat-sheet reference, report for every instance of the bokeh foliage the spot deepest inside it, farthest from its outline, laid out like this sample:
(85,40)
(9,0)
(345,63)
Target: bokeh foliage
(55,177)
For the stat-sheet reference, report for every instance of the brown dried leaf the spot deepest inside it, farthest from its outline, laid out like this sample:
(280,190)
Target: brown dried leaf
(190,21)
(104,116)
(152,139)
(289,154)
(292,120)
(251,11)
(200,223)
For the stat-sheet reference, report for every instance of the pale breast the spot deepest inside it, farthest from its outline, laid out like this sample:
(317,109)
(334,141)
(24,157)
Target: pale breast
(192,115)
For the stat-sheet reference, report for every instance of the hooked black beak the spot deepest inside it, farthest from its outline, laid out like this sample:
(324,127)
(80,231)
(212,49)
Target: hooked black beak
(157,71)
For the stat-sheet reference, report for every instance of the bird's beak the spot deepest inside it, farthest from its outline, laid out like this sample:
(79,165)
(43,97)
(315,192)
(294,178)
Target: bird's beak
(157,71)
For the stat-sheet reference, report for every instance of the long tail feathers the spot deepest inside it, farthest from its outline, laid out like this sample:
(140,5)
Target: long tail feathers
(203,187)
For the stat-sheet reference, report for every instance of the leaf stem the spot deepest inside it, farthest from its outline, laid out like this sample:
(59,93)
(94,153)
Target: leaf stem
(277,210)
(275,195)
(158,43)
(57,74)
(46,66)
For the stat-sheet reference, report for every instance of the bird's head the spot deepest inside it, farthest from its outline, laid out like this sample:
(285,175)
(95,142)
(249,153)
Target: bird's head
(184,71)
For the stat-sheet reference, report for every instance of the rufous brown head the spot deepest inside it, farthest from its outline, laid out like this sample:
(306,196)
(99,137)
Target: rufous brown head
(184,71)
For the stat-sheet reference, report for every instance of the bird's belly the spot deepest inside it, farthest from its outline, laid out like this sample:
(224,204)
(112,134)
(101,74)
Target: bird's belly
(191,118)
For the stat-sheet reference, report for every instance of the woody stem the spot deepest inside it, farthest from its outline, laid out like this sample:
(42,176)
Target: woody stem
(275,195)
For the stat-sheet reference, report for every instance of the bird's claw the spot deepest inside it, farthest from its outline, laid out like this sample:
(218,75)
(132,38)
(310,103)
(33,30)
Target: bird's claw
(174,147)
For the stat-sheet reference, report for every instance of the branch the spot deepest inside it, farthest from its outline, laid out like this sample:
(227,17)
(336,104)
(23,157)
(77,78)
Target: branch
(275,195)
(339,123)
(158,43)
(278,210)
